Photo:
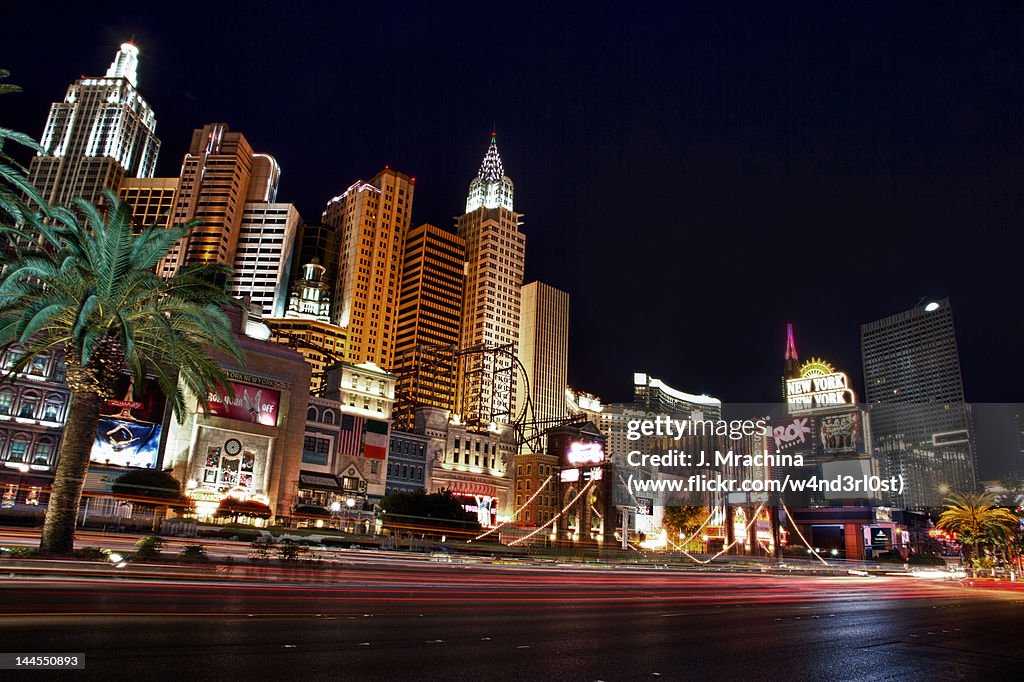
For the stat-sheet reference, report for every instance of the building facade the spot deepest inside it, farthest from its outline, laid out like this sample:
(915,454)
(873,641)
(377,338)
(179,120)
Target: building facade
(920,422)
(263,255)
(429,313)
(371,220)
(544,351)
(247,447)
(408,465)
(474,465)
(103,131)
(151,199)
(33,408)
(495,261)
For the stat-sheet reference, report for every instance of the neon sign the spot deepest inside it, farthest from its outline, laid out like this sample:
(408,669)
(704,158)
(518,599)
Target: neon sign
(585,453)
(819,386)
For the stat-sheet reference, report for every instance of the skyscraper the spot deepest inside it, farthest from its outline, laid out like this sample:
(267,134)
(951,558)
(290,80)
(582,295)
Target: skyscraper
(371,220)
(544,350)
(102,132)
(920,423)
(429,313)
(232,192)
(151,199)
(213,189)
(263,255)
(495,258)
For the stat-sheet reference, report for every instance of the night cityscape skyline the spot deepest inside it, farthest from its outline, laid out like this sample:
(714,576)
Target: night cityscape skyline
(725,181)
(535,341)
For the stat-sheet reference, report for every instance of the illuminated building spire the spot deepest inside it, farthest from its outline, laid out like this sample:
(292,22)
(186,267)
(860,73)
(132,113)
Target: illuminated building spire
(491,169)
(125,64)
(791,368)
(491,188)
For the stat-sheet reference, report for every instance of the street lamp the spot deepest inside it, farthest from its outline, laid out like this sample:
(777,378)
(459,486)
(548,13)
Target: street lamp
(335,508)
(349,504)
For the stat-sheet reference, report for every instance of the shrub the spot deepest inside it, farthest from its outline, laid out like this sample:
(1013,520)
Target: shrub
(148,548)
(925,560)
(19,552)
(91,554)
(194,554)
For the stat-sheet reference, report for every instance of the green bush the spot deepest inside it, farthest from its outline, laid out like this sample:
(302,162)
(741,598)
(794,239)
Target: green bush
(925,560)
(194,554)
(91,554)
(148,548)
(19,552)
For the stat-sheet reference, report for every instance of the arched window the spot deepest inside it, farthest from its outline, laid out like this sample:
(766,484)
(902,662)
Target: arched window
(28,405)
(19,448)
(311,415)
(53,408)
(328,416)
(42,454)
(6,402)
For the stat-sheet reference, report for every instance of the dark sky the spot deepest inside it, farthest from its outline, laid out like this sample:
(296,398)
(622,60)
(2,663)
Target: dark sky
(695,176)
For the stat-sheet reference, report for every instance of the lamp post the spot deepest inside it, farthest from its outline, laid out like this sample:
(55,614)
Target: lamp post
(349,504)
(335,508)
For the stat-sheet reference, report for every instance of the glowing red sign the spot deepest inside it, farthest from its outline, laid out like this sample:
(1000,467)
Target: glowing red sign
(257,404)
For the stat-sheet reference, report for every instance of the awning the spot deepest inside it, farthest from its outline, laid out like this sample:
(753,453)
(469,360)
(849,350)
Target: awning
(312,481)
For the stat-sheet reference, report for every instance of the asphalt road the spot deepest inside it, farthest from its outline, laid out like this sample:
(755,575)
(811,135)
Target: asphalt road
(450,622)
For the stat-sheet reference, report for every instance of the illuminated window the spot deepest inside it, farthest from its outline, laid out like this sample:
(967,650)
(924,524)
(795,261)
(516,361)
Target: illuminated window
(6,402)
(19,446)
(43,452)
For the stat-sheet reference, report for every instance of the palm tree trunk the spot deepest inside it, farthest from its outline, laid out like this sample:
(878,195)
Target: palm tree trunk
(62,511)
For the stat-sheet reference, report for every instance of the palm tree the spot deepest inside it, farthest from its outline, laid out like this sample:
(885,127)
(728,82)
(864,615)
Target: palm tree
(975,518)
(13,184)
(84,284)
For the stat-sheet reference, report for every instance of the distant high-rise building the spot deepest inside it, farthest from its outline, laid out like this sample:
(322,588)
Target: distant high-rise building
(151,199)
(263,256)
(920,423)
(654,395)
(495,259)
(544,350)
(429,313)
(103,132)
(213,189)
(371,220)
(231,192)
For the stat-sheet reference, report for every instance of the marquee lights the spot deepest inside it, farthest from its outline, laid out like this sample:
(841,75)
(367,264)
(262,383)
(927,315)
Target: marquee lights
(819,386)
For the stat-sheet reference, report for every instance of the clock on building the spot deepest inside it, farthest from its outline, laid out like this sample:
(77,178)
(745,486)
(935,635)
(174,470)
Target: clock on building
(233,446)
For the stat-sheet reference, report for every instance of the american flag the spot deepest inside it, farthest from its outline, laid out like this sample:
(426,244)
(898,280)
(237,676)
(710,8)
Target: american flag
(350,437)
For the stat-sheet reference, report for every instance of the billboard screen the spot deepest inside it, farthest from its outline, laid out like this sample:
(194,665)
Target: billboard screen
(255,404)
(129,430)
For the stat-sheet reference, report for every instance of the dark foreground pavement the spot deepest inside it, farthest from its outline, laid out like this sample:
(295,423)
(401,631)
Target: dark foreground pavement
(472,623)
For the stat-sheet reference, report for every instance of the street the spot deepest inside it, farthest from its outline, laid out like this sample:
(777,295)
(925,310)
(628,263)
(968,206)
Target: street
(471,622)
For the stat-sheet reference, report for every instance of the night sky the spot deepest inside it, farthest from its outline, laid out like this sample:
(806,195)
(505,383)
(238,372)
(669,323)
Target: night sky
(694,176)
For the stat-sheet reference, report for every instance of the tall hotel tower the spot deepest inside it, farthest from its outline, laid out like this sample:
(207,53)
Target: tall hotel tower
(232,192)
(919,420)
(429,314)
(371,220)
(495,251)
(101,133)
(544,350)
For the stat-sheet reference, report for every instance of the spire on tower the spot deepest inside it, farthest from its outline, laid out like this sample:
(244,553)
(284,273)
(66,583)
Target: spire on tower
(491,169)
(790,343)
(125,64)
